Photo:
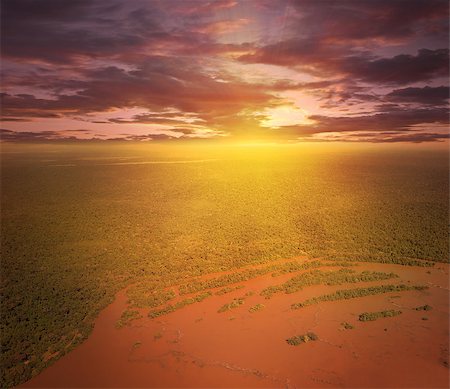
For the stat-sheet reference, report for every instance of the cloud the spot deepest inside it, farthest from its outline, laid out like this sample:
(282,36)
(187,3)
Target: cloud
(319,60)
(377,137)
(356,21)
(400,69)
(199,69)
(221,27)
(426,95)
(30,136)
(146,137)
(93,29)
(157,85)
(164,118)
(29,27)
(79,130)
(62,136)
(9,119)
(414,138)
(395,119)
(339,38)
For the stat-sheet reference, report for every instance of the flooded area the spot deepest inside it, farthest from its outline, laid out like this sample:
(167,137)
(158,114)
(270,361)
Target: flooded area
(197,346)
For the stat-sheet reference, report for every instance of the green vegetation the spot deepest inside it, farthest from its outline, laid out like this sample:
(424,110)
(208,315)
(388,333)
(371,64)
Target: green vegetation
(127,317)
(179,305)
(256,308)
(346,294)
(371,316)
(73,236)
(317,277)
(425,307)
(234,304)
(296,340)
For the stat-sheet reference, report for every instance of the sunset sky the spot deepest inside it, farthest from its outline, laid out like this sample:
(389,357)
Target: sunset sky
(262,70)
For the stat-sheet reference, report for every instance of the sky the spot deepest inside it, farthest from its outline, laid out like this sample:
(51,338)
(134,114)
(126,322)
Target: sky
(234,70)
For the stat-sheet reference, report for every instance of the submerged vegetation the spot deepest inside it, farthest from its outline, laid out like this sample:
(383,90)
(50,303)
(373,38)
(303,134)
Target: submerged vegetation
(297,340)
(317,277)
(228,289)
(143,296)
(247,274)
(425,307)
(371,316)
(347,326)
(396,261)
(76,228)
(234,304)
(295,266)
(346,294)
(127,317)
(256,308)
(179,305)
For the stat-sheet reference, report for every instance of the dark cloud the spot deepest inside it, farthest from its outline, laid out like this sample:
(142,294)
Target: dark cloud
(356,20)
(396,119)
(401,69)
(414,138)
(153,86)
(65,32)
(79,130)
(307,53)
(30,136)
(25,105)
(185,65)
(148,137)
(61,136)
(401,119)
(329,38)
(382,137)
(48,10)
(320,60)
(426,95)
(9,119)
(167,118)
(57,31)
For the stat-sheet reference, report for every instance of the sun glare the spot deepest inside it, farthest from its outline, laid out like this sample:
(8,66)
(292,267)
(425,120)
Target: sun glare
(285,115)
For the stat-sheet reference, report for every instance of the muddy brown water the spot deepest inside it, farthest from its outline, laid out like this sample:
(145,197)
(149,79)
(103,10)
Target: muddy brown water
(198,347)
